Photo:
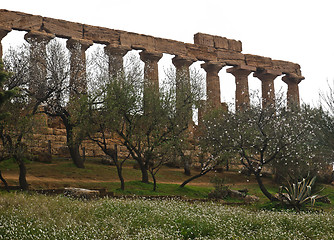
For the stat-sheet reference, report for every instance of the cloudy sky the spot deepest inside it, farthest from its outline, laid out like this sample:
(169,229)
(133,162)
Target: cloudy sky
(299,31)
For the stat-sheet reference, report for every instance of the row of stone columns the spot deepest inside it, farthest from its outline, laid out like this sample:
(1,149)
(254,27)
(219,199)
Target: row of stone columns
(115,53)
(241,74)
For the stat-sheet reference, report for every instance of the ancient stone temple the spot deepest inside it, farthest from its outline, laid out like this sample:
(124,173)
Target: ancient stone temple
(216,52)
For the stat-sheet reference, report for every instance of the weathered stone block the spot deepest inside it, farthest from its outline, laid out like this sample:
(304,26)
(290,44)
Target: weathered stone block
(170,46)
(251,199)
(258,61)
(42,156)
(57,131)
(200,52)
(55,122)
(204,39)
(286,67)
(39,137)
(61,151)
(4,30)
(230,57)
(81,193)
(60,139)
(62,28)
(220,42)
(100,34)
(137,41)
(20,21)
(45,130)
(234,45)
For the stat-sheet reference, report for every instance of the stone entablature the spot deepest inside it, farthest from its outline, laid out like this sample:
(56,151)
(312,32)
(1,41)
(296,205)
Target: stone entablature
(216,51)
(205,48)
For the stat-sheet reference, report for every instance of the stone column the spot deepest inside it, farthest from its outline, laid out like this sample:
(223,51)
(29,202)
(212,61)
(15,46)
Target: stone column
(151,79)
(183,88)
(38,61)
(78,81)
(115,55)
(267,78)
(241,81)
(3,32)
(151,73)
(293,90)
(212,83)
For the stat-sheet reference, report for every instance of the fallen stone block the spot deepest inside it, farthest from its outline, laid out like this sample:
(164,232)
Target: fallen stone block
(251,199)
(81,193)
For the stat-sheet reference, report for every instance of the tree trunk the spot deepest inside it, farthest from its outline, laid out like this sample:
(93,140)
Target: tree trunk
(72,144)
(263,188)
(186,165)
(143,169)
(4,181)
(23,172)
(114,156)
(194,177)
(75,155)
(120,176)
(154,181)
(144,175)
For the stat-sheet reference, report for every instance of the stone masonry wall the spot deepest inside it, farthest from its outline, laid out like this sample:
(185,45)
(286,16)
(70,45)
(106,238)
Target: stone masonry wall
(51,136)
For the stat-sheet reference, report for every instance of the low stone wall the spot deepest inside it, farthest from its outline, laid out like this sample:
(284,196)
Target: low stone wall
(51,138)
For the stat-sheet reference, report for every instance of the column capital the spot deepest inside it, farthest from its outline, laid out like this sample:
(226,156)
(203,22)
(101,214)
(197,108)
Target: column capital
(212,66)
(36,36)
(72,43)
(150,56)
(115,49)
(241,70)
(292,78)
(266,74)
(267,77)
(182,61)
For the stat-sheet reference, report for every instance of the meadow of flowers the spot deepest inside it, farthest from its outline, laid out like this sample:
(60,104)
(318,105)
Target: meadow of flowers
(24,216)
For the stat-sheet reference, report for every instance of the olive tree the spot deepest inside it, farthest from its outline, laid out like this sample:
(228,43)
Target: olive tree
(5,95)
(145,121)
(266,137)
(19,121)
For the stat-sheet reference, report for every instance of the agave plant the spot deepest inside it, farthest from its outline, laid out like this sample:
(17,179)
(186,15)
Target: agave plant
(297,194)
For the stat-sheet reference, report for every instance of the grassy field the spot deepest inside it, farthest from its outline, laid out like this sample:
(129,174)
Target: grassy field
(33,216)
(63,173)
(26,216)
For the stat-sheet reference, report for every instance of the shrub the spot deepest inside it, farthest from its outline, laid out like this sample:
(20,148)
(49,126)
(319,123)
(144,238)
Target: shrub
(298,193)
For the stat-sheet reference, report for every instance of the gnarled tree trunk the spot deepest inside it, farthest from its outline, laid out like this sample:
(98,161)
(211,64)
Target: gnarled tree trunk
(23,173)
(75,155)
(4,181)
(263,188)
(72,144)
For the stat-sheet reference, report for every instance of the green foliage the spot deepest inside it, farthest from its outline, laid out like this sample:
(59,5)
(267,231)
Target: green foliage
(299,193)
(220,189)
(278,137)
(146,118)
(4,95)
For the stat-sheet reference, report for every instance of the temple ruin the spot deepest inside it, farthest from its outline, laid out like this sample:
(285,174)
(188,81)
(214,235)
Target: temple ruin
(216,52)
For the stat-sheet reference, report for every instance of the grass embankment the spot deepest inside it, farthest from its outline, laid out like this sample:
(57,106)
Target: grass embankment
(24,216)
(63,173)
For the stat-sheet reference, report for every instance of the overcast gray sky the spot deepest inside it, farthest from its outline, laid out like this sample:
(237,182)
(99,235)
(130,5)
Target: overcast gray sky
(299,31)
